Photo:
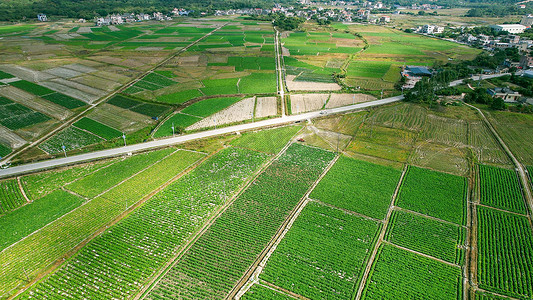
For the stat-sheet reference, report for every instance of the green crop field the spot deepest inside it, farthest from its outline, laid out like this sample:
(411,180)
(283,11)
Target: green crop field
(515,130)
(435,194)
(428,236)
(505,253)
(179,97)
(400,272)
(238,236)
(210,106)
(259,292)
(14,225)
(147,109)
(140,244)
(358,186)
(4,75)
(105,178)
(500,188)
(98,128)
(32,87)
(15,116)
(40,184)
(10,196)
(64,100)
(179,121)
(322,243)
(268,141)
(71,138)
(4,150)
(37,251)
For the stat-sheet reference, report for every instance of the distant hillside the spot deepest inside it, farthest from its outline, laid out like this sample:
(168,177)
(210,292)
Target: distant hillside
(15,10)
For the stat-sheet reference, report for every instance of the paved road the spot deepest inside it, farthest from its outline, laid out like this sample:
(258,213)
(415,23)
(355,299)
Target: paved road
(48,164)
(460,81)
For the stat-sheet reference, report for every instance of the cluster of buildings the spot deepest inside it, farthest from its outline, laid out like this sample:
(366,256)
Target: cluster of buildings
(429,29)
(116,19)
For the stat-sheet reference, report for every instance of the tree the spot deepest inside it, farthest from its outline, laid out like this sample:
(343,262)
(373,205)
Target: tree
(497,104)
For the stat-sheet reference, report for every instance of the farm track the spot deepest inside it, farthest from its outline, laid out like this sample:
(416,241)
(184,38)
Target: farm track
(252,274)
(280,78)
(71,253)
(176,259)
(347,211)
(77,117)
(380,238)
(425,216)
(22,190)
(421,254)
(280,289)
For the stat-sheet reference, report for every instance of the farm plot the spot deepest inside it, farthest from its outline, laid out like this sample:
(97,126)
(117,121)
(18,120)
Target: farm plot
(40,184)
(266,107)
(293,85)
(323,254)
(307,102)
(215,262)
(240,111)
(358,186)
(445,131)
(485,147)
(405,116)
(36,103)
(383,142)
(268,140)
(441,158)
(15,226)
(153,81)
(505,253)
(10,196)
(346,124)
(105,178)
(122,119)
(515,130)
(501,189)
(260,292)
(15,116)
(64,100)
(147,109)
(398,273)
(134,249)
(435,194)
(179,121)
(70,138)
(4,150)
(97,128)
(429,236)
(210,106)
(179,97)
(338,100)
(37,251)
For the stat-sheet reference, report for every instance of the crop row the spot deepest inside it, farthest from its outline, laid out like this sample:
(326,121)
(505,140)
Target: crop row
(435,194)
(505,253)
(98,128)
(268,141)
(117,263)
(37,251)
(10,196)
(323,254)
(428,236)
(500,188)
(212,266)
(400,274)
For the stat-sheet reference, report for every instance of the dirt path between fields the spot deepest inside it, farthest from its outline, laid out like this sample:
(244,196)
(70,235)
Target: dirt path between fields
(380,238)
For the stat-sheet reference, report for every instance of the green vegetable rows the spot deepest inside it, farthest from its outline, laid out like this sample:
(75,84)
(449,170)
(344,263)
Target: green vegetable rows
(117,263)
(435,194)
(500,188)
(224,252)
(428,236)
(505,253)
(10,196)
(323,254)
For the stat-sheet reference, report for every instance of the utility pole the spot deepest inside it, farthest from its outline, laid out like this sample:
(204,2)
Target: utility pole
(173,129)
(64,149)
(124,138)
